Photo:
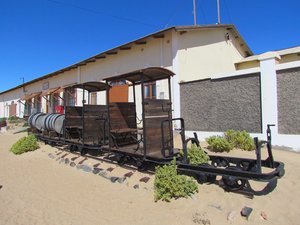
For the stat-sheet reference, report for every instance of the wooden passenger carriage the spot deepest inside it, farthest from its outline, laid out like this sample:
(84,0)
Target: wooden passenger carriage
(86,126)
(152,141)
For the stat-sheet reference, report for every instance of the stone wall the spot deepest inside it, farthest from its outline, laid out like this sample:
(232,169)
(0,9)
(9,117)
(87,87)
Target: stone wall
(288,91)
(222,104)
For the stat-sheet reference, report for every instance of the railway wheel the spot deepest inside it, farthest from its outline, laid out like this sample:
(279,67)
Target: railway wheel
(82,151)
(206,178)
(141,165)
(233,183)
(121,159)
(246,165)
(220,162)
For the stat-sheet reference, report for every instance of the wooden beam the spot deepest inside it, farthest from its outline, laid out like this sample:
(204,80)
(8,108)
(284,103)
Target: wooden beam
(112,53)
(125,48)
(100,56)
(141,42)
(159,36)
(91,60)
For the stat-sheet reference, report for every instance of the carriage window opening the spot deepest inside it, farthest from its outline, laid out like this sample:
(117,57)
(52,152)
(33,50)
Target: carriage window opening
(93,98)
(38,103)
(117,83)
(150,90)
(71,97)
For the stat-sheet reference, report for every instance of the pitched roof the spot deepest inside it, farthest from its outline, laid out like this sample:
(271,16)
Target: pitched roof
(126,46)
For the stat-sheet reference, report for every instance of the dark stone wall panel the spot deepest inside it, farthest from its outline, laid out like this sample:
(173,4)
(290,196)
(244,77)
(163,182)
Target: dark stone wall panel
(222,104)
(288,91)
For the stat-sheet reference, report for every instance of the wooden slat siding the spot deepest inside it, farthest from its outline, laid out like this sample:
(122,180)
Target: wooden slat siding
(154,135)
(73,122)
(94,118)
(122,115)
(157,107)
(73,111)
(156,111)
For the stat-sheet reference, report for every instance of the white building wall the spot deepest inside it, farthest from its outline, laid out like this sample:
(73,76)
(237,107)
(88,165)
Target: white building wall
(202,53)
(269,100)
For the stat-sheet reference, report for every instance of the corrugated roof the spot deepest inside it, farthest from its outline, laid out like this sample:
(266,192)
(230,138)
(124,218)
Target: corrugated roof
(142,40)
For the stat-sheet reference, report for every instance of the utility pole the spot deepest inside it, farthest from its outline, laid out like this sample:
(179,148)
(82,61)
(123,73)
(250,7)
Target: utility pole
(23,81)
(194,12)
(219,16)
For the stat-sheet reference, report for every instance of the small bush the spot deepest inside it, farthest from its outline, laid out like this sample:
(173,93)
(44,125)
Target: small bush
(26,124)
(168,184)
(3,122)
(196,155)
(13,119)
(25,144)
(219,144)
(240,139)
(2,119)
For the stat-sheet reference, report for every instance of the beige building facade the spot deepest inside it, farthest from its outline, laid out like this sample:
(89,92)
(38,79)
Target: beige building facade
(191,52)
(232,87)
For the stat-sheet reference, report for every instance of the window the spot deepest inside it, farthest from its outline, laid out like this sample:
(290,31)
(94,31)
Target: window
(71,96)
(38,104)
(150,90)
(117,83)
(93,98)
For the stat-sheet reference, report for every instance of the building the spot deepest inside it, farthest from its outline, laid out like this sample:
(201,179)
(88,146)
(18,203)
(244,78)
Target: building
(263,90)
(219,83)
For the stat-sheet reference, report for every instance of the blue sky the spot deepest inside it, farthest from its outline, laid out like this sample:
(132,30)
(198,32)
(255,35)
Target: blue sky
(38,37)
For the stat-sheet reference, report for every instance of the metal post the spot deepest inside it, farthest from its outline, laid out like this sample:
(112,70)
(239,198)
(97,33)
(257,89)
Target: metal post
(219,15)
(269,145)
(170,118)
(143,115)
(83,130)
(258,154)
(108,116)
(194,12)
(133,87)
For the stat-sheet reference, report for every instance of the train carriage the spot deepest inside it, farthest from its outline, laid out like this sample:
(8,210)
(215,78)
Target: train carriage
(114,127)
(154,139)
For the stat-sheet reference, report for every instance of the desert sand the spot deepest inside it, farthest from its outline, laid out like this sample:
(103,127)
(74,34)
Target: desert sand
(40,188)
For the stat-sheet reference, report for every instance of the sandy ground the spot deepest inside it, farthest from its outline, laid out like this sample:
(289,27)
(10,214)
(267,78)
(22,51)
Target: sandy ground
(39,188)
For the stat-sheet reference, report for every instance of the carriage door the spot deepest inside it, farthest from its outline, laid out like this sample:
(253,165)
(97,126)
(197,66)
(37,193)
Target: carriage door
(158,125)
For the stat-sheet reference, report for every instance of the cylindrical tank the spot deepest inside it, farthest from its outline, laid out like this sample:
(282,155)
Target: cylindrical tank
(50,122)
(35,120)
(30,118)
(58,123)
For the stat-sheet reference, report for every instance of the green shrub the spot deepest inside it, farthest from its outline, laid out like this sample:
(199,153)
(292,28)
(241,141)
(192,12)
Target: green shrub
(240,139)
(168,184)
(3,122)
(26,124)
(25,144)
(196,155)
(12,119)
(219,144)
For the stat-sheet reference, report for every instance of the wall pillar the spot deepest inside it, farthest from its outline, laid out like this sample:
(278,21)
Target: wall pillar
(268,81)
(175,79)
